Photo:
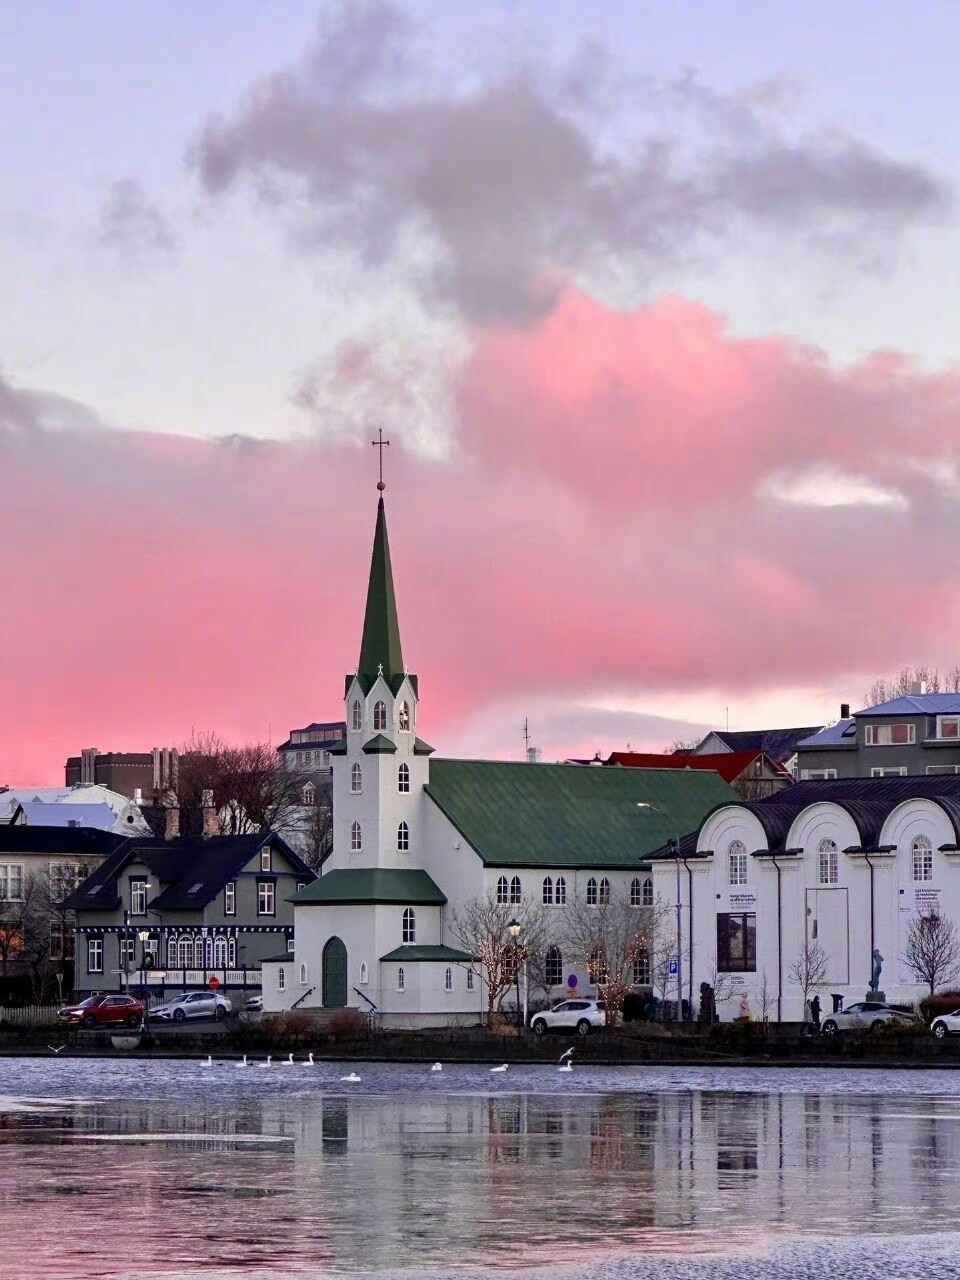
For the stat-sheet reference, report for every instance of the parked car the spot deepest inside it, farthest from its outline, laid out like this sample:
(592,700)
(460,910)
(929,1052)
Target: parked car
(582,1016)
(193,1004)
(253,1004)
(865,1015)
(947,1024)
(102,1011)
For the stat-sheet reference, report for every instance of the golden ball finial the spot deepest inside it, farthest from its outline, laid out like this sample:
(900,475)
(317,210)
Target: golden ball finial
(381,486)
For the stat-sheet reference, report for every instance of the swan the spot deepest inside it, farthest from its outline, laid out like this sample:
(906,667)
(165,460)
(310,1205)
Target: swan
(269,1062)
(566,1057)
(244,1063)
(352,1078)
(567,1066)
(309,1061)
(498,1069)
(209,1061)
(437,1066)
(289,1062)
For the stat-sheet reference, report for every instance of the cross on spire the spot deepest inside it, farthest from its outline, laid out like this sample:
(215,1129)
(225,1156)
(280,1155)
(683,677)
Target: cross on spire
(378,444)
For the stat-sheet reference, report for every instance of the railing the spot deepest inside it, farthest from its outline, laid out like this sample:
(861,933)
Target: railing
(30,1013)
(195,977)
(309,991)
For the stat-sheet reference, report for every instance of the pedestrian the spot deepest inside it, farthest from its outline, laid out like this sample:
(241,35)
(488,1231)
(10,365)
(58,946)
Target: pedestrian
(815,1014)
(807,1028)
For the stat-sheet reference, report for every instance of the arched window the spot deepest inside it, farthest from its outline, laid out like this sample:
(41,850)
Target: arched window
(591,892)
(409,925)
(309,794)
(503,890)
(647,897)
(737,862)
(516,893)
(636,892)
(560,891)
(922,858)
(208,953)
(356,717)
(597,967)
(303,975)
(641,970)
(554,967)
(171,953)
(379,717)
(403,717)
(281,978)
(184,952)
(547,891)
(448,979)
(828,863)
(363,974)
(469,979)
(356,779)
(198,953)
(401,980)
(604,894)
(220,951)
(231,953)
(403,838)
(356,838)
(403,779)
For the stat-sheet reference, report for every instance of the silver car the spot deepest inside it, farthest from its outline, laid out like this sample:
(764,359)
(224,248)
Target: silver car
(947,1024)
(194,1004)
(865,1015)
(582,1016)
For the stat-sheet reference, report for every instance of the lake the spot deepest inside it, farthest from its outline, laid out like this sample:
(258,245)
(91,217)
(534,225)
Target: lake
(135,1168)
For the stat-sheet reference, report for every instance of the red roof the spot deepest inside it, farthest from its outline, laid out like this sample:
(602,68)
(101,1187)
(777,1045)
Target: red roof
(729,764)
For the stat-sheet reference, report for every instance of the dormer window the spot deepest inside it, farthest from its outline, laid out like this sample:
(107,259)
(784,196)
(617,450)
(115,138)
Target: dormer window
(356,717)
(380,717)
(403,718)
(266,861)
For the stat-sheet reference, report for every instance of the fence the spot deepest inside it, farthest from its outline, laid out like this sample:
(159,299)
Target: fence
(30,1013)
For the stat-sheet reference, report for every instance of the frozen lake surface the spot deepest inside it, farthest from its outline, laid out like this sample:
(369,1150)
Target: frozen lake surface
(120,1168)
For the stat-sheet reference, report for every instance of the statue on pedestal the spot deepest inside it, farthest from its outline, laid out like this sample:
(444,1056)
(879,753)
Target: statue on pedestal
(877,969)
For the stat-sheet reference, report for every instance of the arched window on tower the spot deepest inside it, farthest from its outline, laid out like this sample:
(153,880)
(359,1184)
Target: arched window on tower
(403,838)
(409,925)
(403,717)
(356,779)
(380,717)
(403,779)
(356,717)
(356,838)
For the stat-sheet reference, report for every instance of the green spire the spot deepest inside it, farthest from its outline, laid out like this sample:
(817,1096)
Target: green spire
(380,648)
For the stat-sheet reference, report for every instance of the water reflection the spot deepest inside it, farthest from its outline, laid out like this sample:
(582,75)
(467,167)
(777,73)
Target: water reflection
(238,1172)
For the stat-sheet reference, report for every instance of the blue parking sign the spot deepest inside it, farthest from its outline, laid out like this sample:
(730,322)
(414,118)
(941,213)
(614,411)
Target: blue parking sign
(674,968)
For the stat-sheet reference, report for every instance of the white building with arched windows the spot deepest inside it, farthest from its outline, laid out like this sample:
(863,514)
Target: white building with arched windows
(841,867)
(415,838)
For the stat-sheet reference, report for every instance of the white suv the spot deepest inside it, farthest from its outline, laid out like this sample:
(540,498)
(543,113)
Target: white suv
(864,1016)
(582,1016)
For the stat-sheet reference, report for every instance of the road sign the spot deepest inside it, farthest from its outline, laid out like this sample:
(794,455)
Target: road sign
(674,968)
(572,982)
(213,984)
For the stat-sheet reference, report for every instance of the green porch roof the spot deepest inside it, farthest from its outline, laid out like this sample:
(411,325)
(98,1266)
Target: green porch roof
(554,815)
(372,885)
(440,955)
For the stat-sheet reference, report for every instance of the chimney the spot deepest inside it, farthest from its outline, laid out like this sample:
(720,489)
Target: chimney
(211,822)
(918,687)
(533,755)
(137,795)
(171,830)
(844,710)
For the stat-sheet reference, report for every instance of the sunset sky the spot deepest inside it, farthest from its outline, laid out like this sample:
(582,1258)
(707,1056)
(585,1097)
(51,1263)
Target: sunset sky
(657,304)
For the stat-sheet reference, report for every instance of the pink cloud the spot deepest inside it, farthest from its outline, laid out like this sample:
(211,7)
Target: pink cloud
(598,534)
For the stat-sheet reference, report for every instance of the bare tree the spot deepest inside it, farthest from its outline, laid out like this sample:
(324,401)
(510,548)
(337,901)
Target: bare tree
(682,744)
(766,997)
(932,951)
(482,927)
(886,688)
(809,970)
(609,937)
(252,791)
(314,837)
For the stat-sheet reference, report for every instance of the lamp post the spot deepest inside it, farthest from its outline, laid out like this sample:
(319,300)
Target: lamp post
(144,936)
(674,843)
(514,928)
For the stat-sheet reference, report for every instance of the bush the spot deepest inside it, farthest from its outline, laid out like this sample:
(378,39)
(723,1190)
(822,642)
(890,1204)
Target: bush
(288,1026)
(348,1024)
(943,1002)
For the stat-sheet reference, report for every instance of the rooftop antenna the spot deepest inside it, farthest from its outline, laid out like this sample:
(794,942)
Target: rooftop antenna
(379,444)
(727,710)
(526,738)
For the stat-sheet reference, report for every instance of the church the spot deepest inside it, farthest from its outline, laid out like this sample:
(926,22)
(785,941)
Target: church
(417,840)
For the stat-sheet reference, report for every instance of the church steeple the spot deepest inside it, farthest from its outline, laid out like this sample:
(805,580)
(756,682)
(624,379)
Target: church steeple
(380,651)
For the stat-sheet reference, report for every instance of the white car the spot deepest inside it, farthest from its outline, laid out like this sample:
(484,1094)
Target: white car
(864,1016)
(193,1004)
(947,1024)
(581,1016)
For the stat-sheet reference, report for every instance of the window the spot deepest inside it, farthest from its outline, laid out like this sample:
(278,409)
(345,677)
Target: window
(737,942)
(356,838)
(303,975)
(922,858)
(184,951)
(636,892)
(403,718)
(641,970)
(356,780)
(291,945)
(560,892)
(890,771)
(266,863)
(94,955)
(198,950)
(503,890)
(281,978)
(403,838)
(266,898)
(128,950)
(171,953)
(11,881)
(61,941)
(554,967)
(138,896)
(737,862)
(597,968)
(448,979)
(890,735)
(948,726)
(469,979)
(817,775)
(219,952)
(64,878)
(409,925)
(231,953)
(401,980)
(647,893)
(230,898)
(364,972)
(604,892)
(380,717)
(403,779)
(547,891)
(828,863)
(943,768)
(591,892)
(309,794)
(356,717)
(516,891)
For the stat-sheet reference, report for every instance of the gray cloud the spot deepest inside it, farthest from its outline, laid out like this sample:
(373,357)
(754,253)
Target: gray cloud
(133,226)
(515,186)
(26,412)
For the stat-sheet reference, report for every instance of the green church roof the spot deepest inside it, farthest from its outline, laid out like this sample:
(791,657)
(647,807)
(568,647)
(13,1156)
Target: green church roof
(380,652)
(355,885)
(379,745)
(552,815)
(410,953)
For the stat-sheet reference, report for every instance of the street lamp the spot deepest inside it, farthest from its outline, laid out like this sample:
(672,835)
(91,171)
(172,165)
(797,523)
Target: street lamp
(675,843)
(514,928)
(144,936)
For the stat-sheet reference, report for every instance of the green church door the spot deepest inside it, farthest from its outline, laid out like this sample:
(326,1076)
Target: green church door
(334,974)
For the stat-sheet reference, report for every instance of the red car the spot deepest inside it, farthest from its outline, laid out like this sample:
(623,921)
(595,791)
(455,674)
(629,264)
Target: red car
(104,1011)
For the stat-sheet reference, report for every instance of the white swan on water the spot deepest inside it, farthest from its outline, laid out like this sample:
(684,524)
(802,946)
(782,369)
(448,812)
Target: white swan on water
(352,1078)
(289,1062)
(243,1063)
(268,1063)
(309,1062)
(437,1066)
(494,1070)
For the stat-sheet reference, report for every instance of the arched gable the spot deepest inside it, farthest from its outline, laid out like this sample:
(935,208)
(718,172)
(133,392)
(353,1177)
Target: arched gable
(823,821)
(732,822)
(914,818)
